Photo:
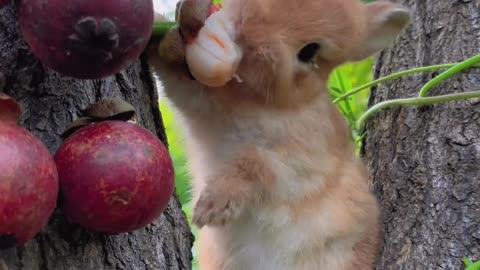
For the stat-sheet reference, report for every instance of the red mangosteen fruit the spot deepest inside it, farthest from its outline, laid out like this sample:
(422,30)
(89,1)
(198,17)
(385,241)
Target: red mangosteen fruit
(87,39)
(115,177)
(3,3)
(28,180)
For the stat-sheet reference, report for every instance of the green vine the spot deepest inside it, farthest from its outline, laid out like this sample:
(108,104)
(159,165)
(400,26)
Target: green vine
(422,99)
(414,102)
(449,73)
(395,76)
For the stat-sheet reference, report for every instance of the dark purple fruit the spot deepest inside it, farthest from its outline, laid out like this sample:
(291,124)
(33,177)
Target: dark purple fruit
(115,177)
(86,39)
(3,3)
(28,180)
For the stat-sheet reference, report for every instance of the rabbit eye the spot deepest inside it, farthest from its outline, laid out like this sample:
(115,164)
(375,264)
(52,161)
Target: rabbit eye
(307,53)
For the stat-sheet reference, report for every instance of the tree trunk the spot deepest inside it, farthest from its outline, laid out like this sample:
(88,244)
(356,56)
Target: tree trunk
(50,102)
(425,162)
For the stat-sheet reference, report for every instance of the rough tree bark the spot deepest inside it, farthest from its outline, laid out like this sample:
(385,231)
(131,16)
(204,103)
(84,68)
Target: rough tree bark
(425,162)
(50,102)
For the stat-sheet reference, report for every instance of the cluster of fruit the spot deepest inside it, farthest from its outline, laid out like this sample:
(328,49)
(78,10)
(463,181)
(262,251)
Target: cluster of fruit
(112,175)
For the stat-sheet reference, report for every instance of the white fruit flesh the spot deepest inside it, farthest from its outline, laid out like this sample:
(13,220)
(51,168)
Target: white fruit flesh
(213,56)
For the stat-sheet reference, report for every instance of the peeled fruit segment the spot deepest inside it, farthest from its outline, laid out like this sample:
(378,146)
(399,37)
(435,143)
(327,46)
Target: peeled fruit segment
(86,39)
(28,185)
(213,56)
(115,177)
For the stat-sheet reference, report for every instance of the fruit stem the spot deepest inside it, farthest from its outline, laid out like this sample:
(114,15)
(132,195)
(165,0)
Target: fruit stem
(10,110)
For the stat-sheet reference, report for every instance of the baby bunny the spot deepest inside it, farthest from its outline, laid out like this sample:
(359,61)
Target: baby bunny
(276,182)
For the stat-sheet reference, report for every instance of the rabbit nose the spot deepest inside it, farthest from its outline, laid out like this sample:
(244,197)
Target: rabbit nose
(213,56)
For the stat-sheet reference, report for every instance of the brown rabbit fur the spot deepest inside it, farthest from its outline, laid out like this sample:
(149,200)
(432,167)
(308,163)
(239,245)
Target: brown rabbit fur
(276,182)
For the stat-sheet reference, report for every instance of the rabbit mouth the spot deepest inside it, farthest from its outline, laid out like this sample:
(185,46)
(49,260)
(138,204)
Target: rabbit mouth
(213,56)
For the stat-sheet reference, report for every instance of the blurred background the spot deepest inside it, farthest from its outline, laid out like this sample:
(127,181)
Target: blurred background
(165,7)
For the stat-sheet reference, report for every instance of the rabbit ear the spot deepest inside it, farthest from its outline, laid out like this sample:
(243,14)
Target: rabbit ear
(385,22)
